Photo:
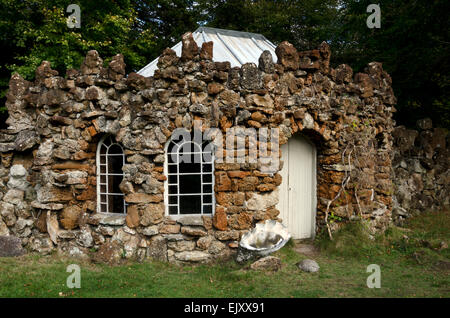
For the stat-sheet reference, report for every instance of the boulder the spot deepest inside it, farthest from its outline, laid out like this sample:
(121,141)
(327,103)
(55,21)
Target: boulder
(205,242)
(251,77)
(132,218)
(110,253)
(108,219)
(92,64)
(10,246)
(425,124)
(216,247)
(7,212)
(308,265)
(52,226)
(260,202)
(14,196)
(4,231)
(344,74)
(193,231)
(84,238)
(193,220)
(268,263)
(206,51)
(181,246)
(44,71)
(116,68)
(266,62)
(167,58)
(192,256)
(17,171)
(287,56)
(169,229)
(157,249)
(150,230)
(76,252)
(70,216)
(189,47)
(220,220)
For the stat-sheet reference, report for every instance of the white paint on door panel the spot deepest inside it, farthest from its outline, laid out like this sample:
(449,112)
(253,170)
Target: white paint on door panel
(297,204)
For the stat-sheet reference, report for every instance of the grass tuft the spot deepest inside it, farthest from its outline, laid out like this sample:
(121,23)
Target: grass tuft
(351,240)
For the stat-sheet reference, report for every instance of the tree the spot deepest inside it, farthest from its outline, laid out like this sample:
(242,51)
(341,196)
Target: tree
(413,44)
(35,30)
(303,23)
(168,20)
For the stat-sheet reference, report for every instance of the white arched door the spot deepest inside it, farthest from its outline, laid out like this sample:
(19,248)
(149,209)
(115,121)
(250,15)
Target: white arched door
(297,201)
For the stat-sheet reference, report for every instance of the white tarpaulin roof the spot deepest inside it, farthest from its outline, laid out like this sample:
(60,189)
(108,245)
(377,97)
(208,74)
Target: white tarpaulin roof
(236,47)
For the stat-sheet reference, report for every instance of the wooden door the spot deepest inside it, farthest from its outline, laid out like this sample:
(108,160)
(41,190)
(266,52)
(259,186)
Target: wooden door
(297,201)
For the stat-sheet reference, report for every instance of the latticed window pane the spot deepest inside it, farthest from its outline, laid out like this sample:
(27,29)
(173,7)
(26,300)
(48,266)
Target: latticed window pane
(110,159)
(207,177)
(173,209)
(207,198)
(190,183)
(190,178)
(207,209)
(190,204)
(173,199)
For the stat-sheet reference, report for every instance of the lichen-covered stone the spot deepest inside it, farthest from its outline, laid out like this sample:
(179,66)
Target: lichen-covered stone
(268,263)
(251,77)
(266,62)
(10,246)
(110,253)
(416,161)
(157,248)
(189,47)
(206,51)
(192,256)
(308,265)
(287,56)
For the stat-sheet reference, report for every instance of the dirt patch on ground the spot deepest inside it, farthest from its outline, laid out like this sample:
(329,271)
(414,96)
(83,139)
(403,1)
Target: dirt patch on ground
(443,265)
(306,248)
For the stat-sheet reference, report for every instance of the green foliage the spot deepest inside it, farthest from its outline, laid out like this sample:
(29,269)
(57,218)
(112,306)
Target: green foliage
(40,32)
(168,20)
(35,30)
(419,242)
(334,218)
(413,45)
(303,23)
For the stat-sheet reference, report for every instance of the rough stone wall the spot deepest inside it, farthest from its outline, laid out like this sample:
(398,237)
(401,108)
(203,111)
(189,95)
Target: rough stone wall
(48,177)
(422,169)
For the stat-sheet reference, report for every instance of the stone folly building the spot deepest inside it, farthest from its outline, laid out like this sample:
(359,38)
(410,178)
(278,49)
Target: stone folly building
(89,161)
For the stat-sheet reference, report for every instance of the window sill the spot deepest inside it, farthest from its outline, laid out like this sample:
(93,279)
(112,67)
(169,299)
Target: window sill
(185,219)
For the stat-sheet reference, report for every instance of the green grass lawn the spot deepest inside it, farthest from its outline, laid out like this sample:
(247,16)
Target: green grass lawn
(412,262)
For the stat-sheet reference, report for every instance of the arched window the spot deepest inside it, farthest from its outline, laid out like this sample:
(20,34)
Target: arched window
(110,159)
(190,176)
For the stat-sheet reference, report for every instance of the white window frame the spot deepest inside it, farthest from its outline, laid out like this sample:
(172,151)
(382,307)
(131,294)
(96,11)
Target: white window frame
(107,174)
(201,193)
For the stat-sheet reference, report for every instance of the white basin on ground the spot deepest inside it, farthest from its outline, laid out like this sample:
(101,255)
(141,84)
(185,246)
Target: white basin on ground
(263,239)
